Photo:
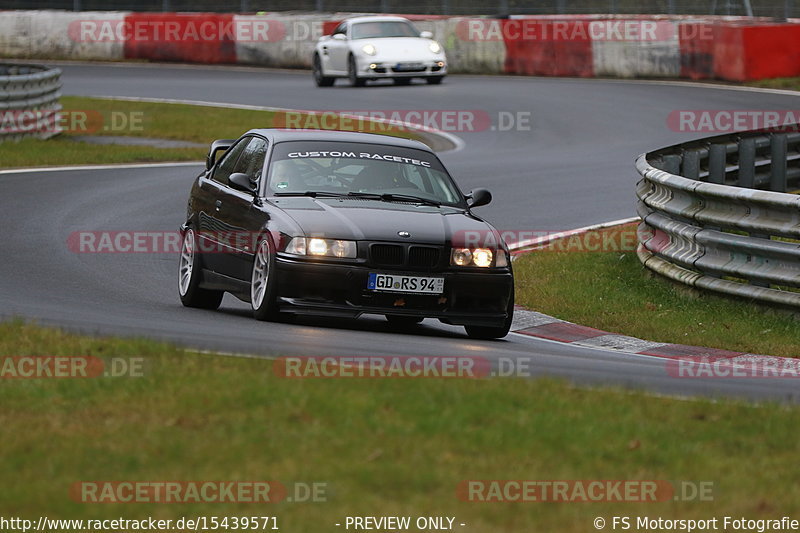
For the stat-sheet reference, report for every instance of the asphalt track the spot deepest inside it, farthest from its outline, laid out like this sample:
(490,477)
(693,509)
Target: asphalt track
(574,167)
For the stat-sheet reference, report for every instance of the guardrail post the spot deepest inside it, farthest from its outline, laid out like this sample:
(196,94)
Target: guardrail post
(777,178)
(717,161)
(672,163)
(746,176)
(691,164)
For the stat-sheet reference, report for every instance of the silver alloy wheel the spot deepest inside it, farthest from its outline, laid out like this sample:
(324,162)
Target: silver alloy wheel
(186,263)
(258,284)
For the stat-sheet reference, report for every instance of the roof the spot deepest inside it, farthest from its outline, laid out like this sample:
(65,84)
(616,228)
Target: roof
(374,18)
(284,135)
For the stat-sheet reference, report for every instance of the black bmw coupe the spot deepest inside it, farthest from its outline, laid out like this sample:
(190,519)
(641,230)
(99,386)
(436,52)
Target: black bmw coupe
(342,223)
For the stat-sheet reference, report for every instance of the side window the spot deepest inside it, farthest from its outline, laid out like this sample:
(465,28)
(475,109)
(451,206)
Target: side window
(341,28)
(228,162)
(251,161)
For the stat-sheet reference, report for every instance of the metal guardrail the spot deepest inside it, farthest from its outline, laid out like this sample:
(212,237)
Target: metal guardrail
(716,215)
(29,101)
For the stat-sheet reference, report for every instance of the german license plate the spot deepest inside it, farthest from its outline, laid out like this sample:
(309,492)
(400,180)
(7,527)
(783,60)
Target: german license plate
(412,284)
(408,66)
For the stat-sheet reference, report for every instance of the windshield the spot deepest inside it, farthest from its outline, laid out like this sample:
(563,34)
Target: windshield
(378,29)
(300,167)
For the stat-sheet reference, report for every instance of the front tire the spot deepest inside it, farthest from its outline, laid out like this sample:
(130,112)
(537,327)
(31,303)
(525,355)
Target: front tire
(263,281)
(352,73)
(189,269)
(434,80)
(320,79)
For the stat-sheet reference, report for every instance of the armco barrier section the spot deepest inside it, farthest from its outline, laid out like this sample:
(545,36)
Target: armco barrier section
(29,101)
(626,46)
(716,215)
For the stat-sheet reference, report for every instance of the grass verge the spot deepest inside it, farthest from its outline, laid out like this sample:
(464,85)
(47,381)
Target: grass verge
(791,84)
(612,291)
(384,447)
(178,122)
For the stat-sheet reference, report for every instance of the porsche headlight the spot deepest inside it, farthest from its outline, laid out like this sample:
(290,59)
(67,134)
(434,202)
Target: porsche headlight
(369,49)
(322,247)
(478,257)
(435,47)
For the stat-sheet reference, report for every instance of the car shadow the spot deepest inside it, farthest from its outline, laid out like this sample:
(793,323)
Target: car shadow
(373,323)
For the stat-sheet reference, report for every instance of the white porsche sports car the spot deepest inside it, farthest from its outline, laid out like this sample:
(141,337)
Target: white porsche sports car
(370,48)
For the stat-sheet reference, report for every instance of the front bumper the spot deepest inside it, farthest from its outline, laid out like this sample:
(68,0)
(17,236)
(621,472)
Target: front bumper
(470,298)
(386,68)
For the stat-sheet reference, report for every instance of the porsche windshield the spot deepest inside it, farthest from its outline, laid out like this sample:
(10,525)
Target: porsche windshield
(354,169)
(378,29)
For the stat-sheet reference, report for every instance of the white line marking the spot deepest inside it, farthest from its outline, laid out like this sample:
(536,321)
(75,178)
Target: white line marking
(102,167)
(546,239)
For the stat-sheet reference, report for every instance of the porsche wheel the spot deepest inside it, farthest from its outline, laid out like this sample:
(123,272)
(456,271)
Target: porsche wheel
(352,73)
(320,79)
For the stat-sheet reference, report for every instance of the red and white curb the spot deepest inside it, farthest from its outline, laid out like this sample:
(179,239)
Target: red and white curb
(539,325)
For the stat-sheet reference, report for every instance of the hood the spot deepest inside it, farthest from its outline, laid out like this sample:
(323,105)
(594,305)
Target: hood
(401,48)
(373,220)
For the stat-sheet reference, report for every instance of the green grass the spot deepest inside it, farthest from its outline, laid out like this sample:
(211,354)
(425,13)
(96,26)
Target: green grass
(105,117)
(792,84)
(384,447)
(612,291)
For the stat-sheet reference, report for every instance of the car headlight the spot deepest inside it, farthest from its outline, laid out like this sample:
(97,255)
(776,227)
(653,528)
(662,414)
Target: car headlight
(478,257)
(321,247)
(435,47)
(369,49)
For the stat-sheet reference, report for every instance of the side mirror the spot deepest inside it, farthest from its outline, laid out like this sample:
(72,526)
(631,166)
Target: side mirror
(479,197)
(426,35)
(242,182)
(220,145)
(338,37)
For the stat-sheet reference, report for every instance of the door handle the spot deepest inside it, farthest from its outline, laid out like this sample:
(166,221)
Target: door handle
(218,204)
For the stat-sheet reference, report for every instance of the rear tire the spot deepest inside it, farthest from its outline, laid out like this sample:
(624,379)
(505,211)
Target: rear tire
(263,281)
(189,268)
(319,78)
(352,73)
(434,80)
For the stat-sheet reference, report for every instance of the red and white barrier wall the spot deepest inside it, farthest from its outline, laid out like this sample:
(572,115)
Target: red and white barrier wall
(728,48)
